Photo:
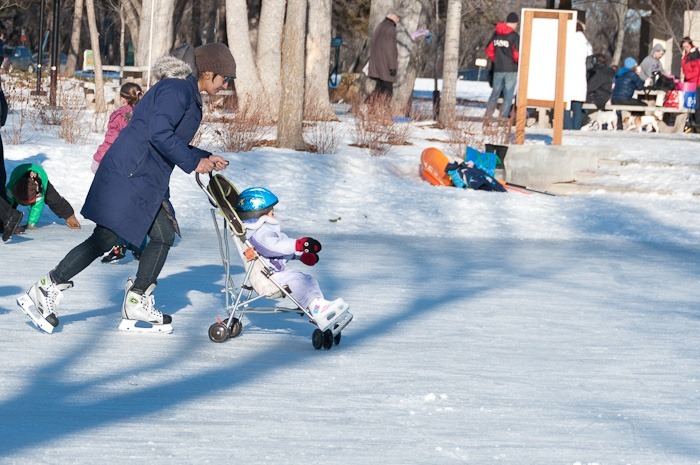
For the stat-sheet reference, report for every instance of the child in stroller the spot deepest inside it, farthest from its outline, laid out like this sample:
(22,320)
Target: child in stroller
(255,207)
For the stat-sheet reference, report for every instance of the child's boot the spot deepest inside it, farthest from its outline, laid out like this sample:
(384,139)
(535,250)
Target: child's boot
(326,313)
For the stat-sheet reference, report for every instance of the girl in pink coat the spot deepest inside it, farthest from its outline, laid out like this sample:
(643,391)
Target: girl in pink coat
(129,95)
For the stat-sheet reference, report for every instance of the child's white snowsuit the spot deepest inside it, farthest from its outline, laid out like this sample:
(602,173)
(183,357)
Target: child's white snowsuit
(277,248)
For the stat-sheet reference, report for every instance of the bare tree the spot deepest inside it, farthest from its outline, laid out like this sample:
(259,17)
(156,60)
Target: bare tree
(318,42)
(450,68)
(269,44)
(621,9)
(155,30)
(416,15)
(248,82)
(132,12)
(74,50)
(291,115)
(95,44)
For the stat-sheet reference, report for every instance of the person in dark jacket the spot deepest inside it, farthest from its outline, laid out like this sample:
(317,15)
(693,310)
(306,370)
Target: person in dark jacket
(600,82)
(503,52)
(129,196)
(384,56)
(627,81)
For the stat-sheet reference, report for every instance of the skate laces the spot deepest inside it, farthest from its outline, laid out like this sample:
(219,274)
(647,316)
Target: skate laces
(148,302)
(53,297)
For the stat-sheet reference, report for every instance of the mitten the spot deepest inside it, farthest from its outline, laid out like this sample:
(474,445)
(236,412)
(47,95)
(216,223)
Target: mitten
(308,244)
(309,259)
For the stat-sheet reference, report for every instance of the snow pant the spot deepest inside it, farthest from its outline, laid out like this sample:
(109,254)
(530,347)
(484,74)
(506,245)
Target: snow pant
(5,211)
(572,118)
(161,235)
(304,287)
(502,82)
(3,173)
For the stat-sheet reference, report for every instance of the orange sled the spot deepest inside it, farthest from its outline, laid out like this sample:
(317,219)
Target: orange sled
(432,167)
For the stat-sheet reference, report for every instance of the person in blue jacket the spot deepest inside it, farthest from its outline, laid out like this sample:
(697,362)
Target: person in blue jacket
(627,81)
(129,196)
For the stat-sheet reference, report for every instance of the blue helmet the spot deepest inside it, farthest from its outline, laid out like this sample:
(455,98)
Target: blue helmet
(254,202)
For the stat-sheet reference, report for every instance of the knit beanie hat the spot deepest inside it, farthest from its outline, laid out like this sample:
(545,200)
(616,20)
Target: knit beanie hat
(25,190)
(630,62)
(512,18)
(215,57)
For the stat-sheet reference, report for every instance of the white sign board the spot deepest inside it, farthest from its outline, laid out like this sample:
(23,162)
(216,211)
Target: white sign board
(542,72)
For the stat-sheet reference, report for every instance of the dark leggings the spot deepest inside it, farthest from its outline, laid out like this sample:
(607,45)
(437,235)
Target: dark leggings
(161,235)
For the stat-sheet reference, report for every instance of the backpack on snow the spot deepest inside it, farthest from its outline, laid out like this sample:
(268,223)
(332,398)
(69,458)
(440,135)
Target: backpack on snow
(466,175)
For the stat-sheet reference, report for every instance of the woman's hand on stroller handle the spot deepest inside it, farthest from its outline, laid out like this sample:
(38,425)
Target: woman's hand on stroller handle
(213,162)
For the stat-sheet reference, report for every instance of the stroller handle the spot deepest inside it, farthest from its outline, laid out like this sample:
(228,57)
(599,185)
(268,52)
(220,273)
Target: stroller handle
(199,181)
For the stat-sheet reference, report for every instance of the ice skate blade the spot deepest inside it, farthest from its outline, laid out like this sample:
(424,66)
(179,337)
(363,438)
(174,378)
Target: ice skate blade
(138,326)
(27,306)
(341,323)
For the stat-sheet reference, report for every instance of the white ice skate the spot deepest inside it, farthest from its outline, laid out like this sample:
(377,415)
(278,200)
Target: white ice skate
(332,315)
(139,313)
(40,301)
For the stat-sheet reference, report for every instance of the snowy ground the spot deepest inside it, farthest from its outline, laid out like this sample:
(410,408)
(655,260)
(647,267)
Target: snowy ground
(489,328)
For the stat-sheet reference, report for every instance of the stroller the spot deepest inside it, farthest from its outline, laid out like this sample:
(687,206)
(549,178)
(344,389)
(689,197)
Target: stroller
(259,281)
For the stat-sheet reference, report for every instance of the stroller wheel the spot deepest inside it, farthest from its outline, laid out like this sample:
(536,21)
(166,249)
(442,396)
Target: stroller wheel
(236,327)
(317,339)
(218,332)
(327,339)
(336,339)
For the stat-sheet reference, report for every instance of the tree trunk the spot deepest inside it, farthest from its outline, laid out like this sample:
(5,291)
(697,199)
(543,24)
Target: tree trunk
(269,55)
(132,12)
(377,12)
(122,36)
(157,41)
(416,17)
(291,115)
(317,103)
(247,78)
(95,44)
(72,61)
(450,67)
(621,9)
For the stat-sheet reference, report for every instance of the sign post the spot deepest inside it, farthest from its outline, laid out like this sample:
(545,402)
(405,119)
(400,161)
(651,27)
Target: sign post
(542,70)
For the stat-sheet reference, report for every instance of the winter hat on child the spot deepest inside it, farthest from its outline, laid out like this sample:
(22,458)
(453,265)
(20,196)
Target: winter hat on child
(25,190)
(512,18)
(630,62)
(215,57)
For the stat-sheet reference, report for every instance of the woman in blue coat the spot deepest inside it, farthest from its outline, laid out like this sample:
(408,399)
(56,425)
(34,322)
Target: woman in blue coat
(129,196)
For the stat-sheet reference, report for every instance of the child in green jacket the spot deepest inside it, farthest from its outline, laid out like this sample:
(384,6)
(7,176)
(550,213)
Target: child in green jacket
(29,186)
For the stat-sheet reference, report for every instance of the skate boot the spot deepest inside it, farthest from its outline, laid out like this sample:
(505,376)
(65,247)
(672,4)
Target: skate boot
(117,253)
(40,302)
(11,223)
(330,314)
(139,313)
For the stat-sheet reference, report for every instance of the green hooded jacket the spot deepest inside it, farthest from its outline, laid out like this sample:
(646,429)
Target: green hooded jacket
(37,206)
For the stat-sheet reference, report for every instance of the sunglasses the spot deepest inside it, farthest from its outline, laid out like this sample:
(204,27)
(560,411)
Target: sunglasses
(229,79)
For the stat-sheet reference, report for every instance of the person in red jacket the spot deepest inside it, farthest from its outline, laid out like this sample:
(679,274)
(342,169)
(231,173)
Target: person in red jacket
(504,54)
(690,63)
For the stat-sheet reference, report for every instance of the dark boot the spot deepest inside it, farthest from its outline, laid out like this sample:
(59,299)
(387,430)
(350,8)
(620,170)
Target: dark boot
(10,223)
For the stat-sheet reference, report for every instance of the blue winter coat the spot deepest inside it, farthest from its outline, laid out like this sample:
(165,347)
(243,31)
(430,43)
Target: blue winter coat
(132,182)
(626,82)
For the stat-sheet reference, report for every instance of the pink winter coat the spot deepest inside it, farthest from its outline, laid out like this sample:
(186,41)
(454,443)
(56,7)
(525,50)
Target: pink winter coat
(117,121)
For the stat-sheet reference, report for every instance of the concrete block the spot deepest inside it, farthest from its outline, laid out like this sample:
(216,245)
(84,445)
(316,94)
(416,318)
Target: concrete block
(542,165)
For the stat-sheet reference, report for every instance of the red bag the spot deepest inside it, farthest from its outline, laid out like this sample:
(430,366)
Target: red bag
(672,99)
